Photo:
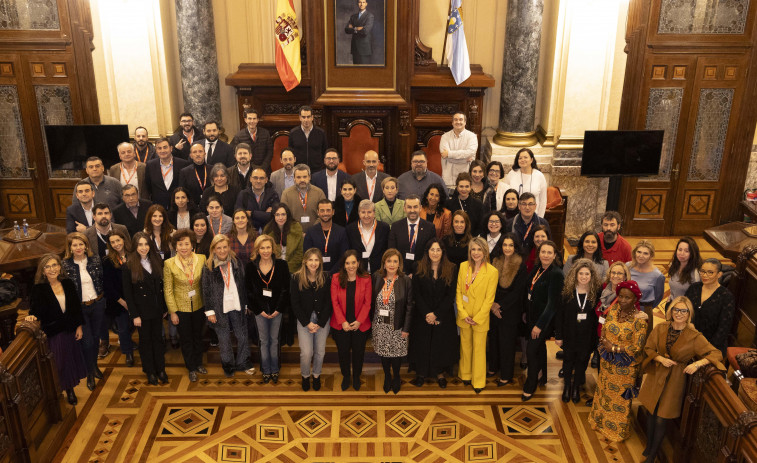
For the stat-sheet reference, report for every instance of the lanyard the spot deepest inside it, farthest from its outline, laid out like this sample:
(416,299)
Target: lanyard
(412,238)
(170,168)
(205,179)
(366,243)
(190,137)
(372,187)
(253,135)
(304,200)
(127,180)
(327,236)
(468,280)
(386,291)
(536,278)
(147,151)
(528,230)
(273,269)
(586,298)
(121,260)
(227,279)
(191,275)
(220,225)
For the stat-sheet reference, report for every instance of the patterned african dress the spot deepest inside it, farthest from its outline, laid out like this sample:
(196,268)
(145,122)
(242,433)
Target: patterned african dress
(616,387)
(387,342)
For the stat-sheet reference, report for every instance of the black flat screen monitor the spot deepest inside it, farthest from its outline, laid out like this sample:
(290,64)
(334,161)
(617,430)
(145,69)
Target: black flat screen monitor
(69,146)
(631,153)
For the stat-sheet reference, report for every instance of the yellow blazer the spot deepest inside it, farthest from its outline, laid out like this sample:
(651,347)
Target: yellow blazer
(176,285)
(480,296)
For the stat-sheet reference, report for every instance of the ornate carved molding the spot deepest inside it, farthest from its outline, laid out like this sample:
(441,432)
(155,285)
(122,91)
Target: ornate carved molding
(472,114)
(317,116)
(375,125)
(404,121)
(422,54)
(423,136)
(746,421)
(438,108)
(282,108)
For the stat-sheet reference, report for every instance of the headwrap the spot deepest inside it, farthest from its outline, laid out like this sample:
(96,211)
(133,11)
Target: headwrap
(633,287)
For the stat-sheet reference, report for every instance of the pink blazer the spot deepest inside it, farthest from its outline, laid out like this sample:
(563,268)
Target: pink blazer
(362,303)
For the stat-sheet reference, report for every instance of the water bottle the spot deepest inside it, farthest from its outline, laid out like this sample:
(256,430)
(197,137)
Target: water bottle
(25,225)
(16,230)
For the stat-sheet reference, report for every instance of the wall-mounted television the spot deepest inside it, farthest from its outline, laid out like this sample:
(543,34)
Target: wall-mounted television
(630,153)
(69,146)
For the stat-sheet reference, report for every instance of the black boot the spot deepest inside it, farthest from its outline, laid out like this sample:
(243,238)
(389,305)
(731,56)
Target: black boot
(396,383)
(71,397)
(595,360)
(566,392)
(306,383)
(130,359)
(387,383)
(91,382)
(152,380)
(575,393)
(345,383)
(163,377)
(356,382)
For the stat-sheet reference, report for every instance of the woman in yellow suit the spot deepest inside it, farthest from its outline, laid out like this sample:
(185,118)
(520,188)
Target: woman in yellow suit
(476,285)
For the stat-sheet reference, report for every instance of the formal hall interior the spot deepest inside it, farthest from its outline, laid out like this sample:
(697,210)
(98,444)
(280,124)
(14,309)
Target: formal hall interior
(641,107)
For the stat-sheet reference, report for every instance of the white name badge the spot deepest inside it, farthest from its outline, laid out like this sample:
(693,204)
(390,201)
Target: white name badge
(191,293)
(581,316)
(601,320)
(410,256)
(384,312)
(465,298)
(366,255)
(267,293)
(326,259)
(305,219)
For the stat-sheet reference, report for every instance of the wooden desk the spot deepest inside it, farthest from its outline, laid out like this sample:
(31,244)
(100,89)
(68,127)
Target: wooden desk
(749,208)
(729,239)
(26,255)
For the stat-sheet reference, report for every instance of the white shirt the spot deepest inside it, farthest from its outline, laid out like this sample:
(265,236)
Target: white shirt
(88,292)
(146,264)
(534,183)
(331,183)
(88,214)
(288,180)
(182,221)
(129,177)
(492,241)
(208,144)
(460,148)
(167,172)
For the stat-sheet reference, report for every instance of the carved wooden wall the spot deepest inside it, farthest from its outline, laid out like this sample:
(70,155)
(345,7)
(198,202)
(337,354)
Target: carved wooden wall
(46,77)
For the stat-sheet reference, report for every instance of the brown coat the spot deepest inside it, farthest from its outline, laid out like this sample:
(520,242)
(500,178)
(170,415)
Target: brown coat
(689,345)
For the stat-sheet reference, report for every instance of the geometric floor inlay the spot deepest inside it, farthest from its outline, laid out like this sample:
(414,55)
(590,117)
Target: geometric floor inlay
(526,420)
(187,422)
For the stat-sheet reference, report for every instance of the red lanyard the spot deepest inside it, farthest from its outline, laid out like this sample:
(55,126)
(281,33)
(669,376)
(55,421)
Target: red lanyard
(536,278)
(366,243)
(327,236)
(386,291)
(468,280)
(205,179)
(220,226)
(127,180)
(528,230)
(227,279)
(147,151)
(304,200)
(170,168)
(273,269)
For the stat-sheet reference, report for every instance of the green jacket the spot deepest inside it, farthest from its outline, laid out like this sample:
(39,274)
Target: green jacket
(383,214)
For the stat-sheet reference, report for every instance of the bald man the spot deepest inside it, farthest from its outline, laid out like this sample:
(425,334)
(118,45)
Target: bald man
(369,179)
(129,171)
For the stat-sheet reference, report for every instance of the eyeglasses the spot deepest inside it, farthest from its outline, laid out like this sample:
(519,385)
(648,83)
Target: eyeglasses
(528,204)
(494,221)
(420,162)
(51,266)
(617,274)
(681,311)
(258,178)
(708,273)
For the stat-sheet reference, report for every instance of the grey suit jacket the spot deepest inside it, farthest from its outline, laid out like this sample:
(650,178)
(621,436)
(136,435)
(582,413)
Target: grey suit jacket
(115,172)
(277,179)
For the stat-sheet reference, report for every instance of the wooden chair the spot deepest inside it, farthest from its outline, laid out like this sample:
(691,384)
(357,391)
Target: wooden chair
(430,146)
(358,137)
(280,141)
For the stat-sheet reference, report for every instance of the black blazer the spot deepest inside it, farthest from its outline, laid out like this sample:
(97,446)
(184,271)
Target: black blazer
(279,286)
(144,298)
(381,241)
(403,297)
(262,147)
(75,213)
(319,179)
(178,136)
(173,214)
(45,306)
(228,199)
(306,301)
(222,153)
(188,181)
(154,185)
(340,211)
(546,296)
(512,300)
(475,210)
(362,185)
(338,245)
(577,335)
(123,216)
(399,239)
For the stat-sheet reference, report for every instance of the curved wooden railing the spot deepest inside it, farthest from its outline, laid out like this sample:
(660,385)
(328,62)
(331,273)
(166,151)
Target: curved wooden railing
(33,422)
(715,424)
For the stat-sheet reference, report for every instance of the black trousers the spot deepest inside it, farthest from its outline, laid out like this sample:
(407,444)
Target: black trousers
(503,337)
(574,365)
(190,329)
(536,349)
(350,346)
(151,347)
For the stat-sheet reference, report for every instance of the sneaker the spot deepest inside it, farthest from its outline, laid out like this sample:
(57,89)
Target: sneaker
(250,371)
(201,370)
(103,350)
(306,383)
(316,383)
(193,376)
(275,378)
(266,379)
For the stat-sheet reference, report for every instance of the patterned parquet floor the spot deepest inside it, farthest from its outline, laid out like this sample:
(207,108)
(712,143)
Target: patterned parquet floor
(240,419)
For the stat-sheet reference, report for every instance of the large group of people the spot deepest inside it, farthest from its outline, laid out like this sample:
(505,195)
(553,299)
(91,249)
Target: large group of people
(453,273)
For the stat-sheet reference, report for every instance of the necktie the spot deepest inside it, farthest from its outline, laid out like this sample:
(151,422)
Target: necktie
(210,151)
(412,234)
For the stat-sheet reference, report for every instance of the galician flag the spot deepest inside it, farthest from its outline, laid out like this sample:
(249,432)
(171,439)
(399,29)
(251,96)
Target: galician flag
(287,44)
(457,49)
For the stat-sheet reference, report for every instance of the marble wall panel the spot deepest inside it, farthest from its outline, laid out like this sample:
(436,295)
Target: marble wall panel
(29,15)
(13,161)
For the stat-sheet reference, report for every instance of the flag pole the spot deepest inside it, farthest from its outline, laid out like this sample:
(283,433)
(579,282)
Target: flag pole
(446,25)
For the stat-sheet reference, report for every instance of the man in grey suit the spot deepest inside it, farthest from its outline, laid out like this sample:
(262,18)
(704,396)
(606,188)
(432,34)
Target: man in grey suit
(360,27)
(284,177)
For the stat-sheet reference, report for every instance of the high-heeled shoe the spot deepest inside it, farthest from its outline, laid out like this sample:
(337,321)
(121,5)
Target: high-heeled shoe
(387,384)
(575,393)
(526,398)
(152,380)
(163,377)
(98,373)
(442,382)
(356,383)
(345,383)
(71,396)
(91,382)
(396,384)
(466,382)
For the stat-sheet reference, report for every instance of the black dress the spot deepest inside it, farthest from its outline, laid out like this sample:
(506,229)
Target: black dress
(433,348)
(504,332)
(714,317)
(457,250)
(576,325)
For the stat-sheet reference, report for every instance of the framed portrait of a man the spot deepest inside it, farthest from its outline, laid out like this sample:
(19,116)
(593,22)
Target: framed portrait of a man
(360,32)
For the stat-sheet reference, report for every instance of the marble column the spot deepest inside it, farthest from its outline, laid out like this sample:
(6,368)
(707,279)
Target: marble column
(198,59)
(517,108)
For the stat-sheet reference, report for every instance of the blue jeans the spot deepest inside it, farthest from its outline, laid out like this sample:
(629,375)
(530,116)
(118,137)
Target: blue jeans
(311,344)
(123,325)
(237,320)
(93,319)
(268,330)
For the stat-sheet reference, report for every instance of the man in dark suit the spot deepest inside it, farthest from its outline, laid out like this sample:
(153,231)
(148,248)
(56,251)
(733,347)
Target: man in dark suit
(196,177)
(258,138)
(368,236)
(331,178)
(328,237)
(239,174)
(369,179)
(409,236)
(131,213)
(143,149)
(360,27)
(185,136)
(79,215)
(308,142)
(162,174)
(216,151)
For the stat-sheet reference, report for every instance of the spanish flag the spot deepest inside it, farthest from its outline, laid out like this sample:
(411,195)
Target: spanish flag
(287,44)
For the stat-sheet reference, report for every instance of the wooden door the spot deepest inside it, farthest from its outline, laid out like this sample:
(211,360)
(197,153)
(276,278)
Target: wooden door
(696,100)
